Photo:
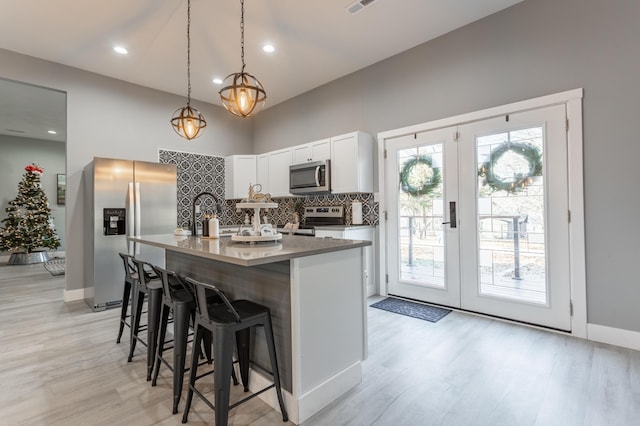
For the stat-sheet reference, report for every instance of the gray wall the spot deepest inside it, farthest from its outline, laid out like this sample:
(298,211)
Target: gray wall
(535,48)
(17,153)
(111,118)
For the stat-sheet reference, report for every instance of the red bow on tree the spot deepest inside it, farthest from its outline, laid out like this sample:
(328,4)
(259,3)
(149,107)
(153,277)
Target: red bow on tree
(33,168)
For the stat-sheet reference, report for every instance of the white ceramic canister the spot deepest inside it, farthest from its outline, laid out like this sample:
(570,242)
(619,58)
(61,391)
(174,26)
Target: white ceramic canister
(214,227)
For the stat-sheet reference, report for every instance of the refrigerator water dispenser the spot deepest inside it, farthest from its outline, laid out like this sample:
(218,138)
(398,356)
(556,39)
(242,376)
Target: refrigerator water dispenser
(114,221)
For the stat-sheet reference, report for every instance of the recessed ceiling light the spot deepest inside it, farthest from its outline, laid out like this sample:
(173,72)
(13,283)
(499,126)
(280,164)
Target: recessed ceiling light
(121,50)
(217,80)
(52,132)
(269,48)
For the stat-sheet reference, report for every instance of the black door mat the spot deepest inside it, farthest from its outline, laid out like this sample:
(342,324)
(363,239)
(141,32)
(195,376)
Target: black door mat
(412,309)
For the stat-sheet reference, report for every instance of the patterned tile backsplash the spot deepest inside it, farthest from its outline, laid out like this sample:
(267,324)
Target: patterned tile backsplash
(205,173)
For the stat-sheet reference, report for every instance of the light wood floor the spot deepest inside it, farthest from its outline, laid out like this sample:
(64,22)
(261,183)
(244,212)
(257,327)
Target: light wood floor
(60,365)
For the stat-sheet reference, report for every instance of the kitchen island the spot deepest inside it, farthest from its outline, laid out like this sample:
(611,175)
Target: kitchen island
(316,292)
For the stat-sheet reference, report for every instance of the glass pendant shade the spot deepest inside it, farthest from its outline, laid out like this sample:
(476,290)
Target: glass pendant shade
(188,122)
(242,94)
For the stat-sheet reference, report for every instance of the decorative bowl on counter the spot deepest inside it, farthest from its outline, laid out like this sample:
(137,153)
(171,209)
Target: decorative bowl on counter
(256,232)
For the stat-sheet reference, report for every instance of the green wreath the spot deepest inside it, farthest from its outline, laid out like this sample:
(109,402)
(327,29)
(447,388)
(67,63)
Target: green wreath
(520,180)
(408,182)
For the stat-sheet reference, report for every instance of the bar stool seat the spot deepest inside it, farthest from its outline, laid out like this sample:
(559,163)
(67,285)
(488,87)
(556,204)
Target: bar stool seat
(148,283)
(226,321)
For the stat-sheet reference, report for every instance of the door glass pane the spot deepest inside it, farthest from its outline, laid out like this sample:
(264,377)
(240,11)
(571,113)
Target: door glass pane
(421,209)
(510,203)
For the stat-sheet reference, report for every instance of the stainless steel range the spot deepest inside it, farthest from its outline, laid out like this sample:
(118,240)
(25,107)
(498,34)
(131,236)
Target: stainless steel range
(319,215)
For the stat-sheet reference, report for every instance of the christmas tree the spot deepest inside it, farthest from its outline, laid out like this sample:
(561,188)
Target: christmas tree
(29,225)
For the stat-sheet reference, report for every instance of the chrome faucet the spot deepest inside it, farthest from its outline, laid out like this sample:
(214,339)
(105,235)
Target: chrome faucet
(194,224)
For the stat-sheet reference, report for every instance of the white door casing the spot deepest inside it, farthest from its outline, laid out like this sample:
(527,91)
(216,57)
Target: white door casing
(572,101)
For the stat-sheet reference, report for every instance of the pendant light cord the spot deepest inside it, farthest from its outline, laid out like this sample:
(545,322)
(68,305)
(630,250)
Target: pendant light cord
(188,52)
(242,33)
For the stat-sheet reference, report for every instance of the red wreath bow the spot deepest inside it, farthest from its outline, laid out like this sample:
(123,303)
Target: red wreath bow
(33,168)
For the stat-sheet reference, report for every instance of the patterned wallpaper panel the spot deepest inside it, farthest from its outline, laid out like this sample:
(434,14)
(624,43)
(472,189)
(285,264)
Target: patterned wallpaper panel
(205,173)
(196,173)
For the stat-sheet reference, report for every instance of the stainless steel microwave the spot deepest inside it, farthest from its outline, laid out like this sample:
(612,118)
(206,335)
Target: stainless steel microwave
(310,178)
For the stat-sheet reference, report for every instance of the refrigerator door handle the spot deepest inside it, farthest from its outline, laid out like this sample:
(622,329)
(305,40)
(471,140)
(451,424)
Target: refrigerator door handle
(130,218)
(137,209)
(130,211)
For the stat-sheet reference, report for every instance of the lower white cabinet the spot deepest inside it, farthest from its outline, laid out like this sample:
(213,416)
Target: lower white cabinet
(364,233)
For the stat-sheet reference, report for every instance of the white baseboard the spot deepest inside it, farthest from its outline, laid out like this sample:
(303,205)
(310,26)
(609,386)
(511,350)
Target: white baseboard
(313,401)
(73,295)
(328,391)
(614,336)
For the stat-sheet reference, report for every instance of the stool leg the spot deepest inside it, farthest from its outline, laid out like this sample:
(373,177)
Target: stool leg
(181,313)
(123,313)
(155,301)
(136,313)
(268,331)
(223,356)
(243,340)
(164,319)
(193,370)
(206,342)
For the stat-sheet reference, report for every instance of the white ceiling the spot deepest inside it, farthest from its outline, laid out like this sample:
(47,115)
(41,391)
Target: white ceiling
(316,41)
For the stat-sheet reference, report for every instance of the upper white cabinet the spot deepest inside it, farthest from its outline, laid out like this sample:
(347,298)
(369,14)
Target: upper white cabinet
(262,171)
(352,163)
(239,173)
(312,151)
(279,162)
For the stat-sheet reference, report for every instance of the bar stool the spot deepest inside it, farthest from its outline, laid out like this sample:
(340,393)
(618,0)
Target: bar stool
(226,321)
(130,276)
(148,283)
(177,298)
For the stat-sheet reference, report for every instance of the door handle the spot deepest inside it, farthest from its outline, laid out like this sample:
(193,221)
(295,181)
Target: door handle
(453,223)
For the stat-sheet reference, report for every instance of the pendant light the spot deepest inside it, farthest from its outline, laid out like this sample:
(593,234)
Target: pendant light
(187,121)
(242,94)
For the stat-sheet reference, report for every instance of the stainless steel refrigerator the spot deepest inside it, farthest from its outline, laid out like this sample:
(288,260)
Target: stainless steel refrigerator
(123,198)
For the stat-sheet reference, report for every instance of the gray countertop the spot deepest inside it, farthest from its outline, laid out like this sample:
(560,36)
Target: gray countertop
(225,250)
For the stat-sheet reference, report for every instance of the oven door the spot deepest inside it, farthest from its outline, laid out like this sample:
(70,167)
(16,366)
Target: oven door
(307,231)
(310,178)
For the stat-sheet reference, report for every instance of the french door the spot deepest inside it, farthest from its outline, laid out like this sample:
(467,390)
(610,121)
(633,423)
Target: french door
(480,219)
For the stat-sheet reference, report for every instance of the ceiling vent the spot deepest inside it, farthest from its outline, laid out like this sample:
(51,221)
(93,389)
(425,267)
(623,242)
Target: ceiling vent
(357,6)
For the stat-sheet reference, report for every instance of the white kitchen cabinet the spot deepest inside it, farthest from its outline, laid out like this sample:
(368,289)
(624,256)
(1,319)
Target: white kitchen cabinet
(352,163)
(312,151)
(279,162)
(262,171)
(363,233)
(239,173)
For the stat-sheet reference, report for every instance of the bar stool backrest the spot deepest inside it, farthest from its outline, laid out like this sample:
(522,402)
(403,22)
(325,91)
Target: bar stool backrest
(168,277)
(201,298)
(130,272)
(145,272)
